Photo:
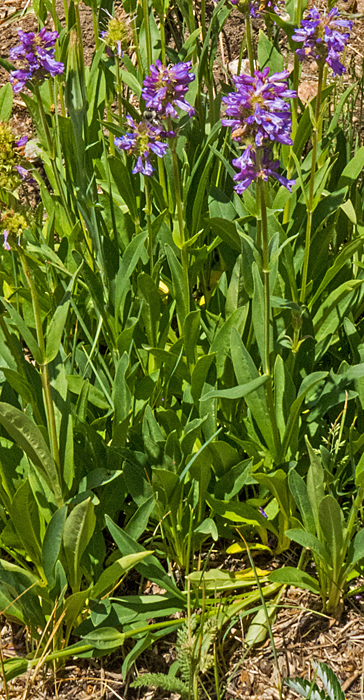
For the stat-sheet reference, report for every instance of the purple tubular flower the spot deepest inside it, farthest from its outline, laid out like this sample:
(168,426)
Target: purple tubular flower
(262,511)
(24,173)
(165,88)
(141,140)
(5,243)
(22,141)
(258,109)
(36,54)
(250,170)
(323,37)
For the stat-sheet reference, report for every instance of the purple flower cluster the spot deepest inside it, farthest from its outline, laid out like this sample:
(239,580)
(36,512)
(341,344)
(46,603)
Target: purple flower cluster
(250,169)
(258,110)
(165,88)
(323,37)
(143,139)
(259,116)
(36,54)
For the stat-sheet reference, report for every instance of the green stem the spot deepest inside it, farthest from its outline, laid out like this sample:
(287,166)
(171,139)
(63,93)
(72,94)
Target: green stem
(249,44)
(148,37)
(312,183)
(148,211)
(181,230)
(44,372)
(118,88)
(95,22)
(162,30)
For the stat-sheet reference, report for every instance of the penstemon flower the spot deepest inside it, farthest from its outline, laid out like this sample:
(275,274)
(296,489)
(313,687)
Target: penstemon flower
(259,117)
(323,37)
(116,36)
(143,139)
(36,55)
(250,169)
(165,88)
(258,110)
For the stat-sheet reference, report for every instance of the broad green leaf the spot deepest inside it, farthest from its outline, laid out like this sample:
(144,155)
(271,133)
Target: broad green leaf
(199,375)
(358,548)
(52,543)
(258,627)
(300,494)
(139,521)
(116,571)
(332,524)
(306,539)
(121,394)
(328,316)
(353,169)
(292,425)
(29,438)
(6,102)
(237,392)
(105,638)
(25,518)
(77,532)
(291,576)
(23,329)
(220,580)
(268,55)
(221,343)
(149,295)
(246,371)
(277,484)
(340,260)
(177,282)
(191,332)
(238,512)
(55,330)
(315,484)
(151,567)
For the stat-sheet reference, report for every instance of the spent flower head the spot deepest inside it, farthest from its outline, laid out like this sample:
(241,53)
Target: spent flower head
(117,34)
(12,224)
(9,157)
(36,56)
(323,36)
(165,88)
(257,8)
(257,109)
(142,140)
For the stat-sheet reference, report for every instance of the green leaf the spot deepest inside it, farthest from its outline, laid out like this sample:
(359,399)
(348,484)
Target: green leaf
(238,512)
(149,295)
(222,341)
(306,539)
(306,386)
(23,329)
(268,54)
(358,548)
(105,638)
(17,666)
(332,524)
(291,576)
(116,571)
(25,518)
(121,394)
(258,628)
(124,184)
(150,568)
(77,532)
(177,282)
(352,170)
(340,260)
(315,484)
(246,371)
(237,392)
(52,544)
(55,329)
(191,332)
(300,494)
(6,102)
(29,438)
(328,316)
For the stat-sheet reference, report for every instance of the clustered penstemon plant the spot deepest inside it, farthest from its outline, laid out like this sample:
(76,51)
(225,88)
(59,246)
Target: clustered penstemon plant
(164,90)
(323,37)
(259,116)
(143,139)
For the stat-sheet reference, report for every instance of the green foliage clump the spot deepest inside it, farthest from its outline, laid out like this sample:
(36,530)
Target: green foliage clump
(9,177)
